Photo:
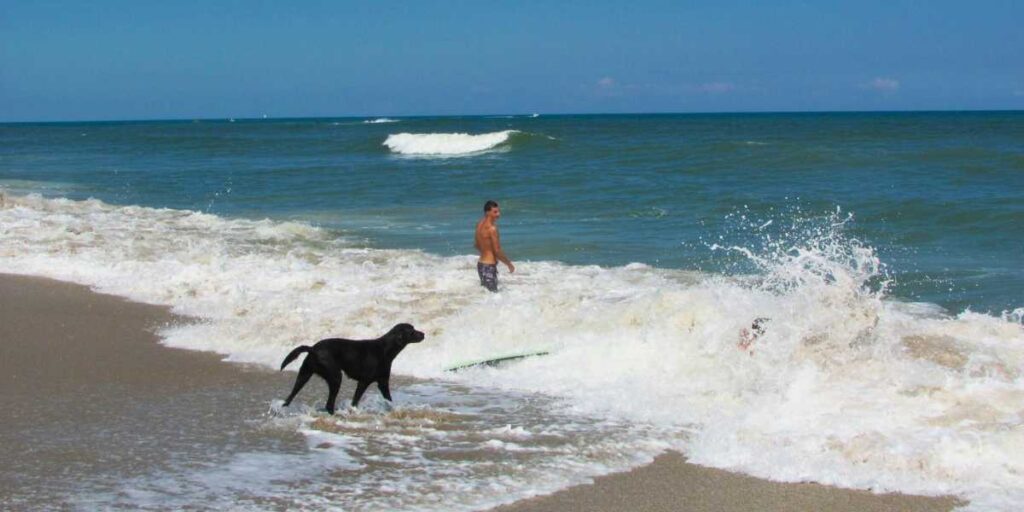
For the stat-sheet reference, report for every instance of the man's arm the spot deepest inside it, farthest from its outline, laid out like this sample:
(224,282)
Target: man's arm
(498,253)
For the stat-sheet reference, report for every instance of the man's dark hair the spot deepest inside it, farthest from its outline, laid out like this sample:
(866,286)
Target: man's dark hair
(488,205)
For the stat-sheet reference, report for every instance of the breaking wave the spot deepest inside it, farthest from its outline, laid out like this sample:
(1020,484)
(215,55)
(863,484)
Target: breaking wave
(446,144)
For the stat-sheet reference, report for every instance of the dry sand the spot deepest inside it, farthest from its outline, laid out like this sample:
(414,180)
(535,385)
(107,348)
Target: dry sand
(83,376)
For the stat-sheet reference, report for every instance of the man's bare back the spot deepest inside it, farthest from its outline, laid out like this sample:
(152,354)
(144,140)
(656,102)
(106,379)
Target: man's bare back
(485,232)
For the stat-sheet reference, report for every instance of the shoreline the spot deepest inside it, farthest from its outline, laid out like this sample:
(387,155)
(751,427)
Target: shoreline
(670,484)
(78,361)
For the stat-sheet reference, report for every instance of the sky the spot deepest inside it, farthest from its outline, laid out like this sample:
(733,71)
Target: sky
(111,60)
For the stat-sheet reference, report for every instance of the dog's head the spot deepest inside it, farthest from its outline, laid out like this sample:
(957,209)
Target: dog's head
(406,333)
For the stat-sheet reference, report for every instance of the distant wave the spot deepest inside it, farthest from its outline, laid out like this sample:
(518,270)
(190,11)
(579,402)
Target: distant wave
(380,120)
(445,144)
(509,116)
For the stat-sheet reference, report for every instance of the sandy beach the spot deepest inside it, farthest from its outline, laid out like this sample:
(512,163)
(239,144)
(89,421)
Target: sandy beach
(91,399)
(77,361)
(671,484)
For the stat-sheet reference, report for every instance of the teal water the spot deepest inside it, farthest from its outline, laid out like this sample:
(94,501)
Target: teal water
(939,196)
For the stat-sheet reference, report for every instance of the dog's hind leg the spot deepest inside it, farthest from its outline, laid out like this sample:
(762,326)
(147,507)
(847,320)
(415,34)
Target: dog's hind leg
(333,385)
(305,372)
(360,389)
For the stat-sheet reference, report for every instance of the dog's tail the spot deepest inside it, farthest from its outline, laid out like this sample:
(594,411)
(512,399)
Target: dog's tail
(295,353)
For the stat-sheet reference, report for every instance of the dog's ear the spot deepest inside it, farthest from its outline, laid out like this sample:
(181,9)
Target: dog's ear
(397,334)
(393,332)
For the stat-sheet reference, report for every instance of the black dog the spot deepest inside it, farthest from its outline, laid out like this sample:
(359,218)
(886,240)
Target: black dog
(364,361)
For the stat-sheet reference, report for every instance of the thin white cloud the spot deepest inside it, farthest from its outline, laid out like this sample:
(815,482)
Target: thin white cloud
(609,87)
(883,84)
(717,87)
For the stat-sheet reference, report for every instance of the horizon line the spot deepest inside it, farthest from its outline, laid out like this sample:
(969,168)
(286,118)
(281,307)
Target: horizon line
(266,117)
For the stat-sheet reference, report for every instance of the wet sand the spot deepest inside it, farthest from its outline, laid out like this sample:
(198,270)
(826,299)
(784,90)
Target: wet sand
(670,484)
(91,398)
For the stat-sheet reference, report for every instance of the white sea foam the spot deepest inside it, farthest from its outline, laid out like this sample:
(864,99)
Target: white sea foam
(845,386)
(445,144)
(380,120)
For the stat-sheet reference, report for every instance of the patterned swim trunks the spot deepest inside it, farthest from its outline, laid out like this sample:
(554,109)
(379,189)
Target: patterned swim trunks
(488,275)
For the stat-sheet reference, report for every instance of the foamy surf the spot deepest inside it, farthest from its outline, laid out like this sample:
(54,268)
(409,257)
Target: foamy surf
(450,448)
(380,120)
(445,144)
(846,386)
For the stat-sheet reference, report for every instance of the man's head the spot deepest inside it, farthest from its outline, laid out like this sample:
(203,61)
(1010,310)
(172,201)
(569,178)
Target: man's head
(491,210)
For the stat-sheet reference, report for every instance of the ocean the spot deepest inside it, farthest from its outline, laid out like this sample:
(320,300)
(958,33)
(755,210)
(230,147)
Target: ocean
(884,251)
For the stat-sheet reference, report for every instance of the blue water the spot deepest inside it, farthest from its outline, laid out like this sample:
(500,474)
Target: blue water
(939,196)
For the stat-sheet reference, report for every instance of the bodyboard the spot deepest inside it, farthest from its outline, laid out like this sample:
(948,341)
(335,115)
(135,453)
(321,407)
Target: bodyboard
(495,361)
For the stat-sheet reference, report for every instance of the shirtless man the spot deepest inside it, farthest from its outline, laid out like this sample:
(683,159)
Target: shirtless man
(489,244)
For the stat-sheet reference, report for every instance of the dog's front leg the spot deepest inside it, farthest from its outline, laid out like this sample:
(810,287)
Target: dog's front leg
(382,385)
(360,389)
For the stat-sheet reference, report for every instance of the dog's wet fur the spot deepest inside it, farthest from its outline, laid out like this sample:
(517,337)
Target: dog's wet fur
(364,361)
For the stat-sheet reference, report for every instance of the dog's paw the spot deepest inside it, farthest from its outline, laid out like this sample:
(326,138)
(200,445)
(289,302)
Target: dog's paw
(277,408)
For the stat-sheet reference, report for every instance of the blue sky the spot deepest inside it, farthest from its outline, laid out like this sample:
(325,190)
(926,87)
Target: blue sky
(97,60)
